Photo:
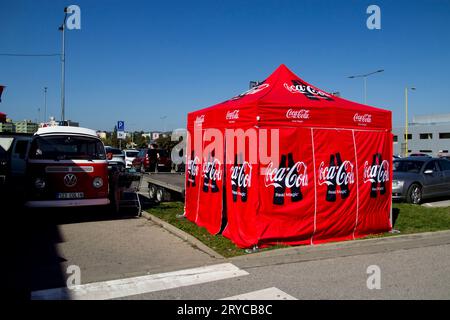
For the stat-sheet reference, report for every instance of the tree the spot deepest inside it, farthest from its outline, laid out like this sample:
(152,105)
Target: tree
(166,143)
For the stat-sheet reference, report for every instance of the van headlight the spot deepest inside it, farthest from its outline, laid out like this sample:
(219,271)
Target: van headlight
(98,182)
(39,183)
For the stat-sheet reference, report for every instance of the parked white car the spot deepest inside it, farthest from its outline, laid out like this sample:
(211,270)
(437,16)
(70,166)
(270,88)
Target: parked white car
(115,156)
(130,154)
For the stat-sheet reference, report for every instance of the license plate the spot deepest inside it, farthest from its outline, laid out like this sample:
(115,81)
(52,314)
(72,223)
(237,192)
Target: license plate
(70,195)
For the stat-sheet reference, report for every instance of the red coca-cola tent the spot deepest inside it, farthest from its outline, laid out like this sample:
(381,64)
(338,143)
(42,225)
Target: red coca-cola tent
(286,162)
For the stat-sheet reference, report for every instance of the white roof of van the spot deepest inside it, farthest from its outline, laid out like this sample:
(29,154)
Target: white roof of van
(66,130)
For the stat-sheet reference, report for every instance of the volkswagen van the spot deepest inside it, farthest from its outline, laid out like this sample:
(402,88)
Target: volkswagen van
(66,167)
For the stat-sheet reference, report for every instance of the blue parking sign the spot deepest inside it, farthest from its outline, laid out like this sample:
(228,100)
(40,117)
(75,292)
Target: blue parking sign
(120,125)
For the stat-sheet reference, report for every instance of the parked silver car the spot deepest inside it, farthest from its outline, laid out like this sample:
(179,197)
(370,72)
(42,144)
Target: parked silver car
(417,178)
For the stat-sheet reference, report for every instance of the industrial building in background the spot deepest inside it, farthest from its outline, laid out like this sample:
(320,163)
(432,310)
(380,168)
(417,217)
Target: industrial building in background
(429,134)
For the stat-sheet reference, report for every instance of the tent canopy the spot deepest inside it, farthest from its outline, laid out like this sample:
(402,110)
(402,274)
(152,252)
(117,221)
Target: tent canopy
(283,99)
(329,178)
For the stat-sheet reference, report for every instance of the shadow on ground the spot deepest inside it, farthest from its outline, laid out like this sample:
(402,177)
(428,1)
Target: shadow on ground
(29,243)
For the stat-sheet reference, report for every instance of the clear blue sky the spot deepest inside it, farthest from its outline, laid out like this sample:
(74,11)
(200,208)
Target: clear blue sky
(139,61)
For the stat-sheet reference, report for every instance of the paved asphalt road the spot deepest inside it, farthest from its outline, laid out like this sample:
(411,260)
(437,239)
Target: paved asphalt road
(106,247)
(420,273)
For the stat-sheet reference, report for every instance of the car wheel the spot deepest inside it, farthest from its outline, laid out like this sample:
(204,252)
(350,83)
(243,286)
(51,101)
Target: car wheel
(414,195)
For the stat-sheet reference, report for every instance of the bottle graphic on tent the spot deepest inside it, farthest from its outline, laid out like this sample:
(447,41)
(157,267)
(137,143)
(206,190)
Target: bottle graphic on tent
(377,174)
(234,184)
(243,185)
(211,173)
(206,169)
(331,186)
(214,169)
(345,190)
(278,193)
(240,178)
(290,175)
(338,174)
(192,169)
(296,193)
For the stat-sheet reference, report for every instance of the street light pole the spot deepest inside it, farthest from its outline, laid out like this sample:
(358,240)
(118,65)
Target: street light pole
(364,76)
(45,104)
(365,90)
(62,28)
(406,119)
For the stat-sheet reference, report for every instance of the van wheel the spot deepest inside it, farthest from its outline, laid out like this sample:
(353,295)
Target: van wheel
(414,195)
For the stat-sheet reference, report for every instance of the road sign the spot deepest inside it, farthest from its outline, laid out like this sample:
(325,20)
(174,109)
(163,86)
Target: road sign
(121,135)
(120,125)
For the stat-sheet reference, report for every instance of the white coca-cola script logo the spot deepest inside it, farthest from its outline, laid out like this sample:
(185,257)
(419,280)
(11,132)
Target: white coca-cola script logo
(342,174)
(192,167)
(295,176)
(376,173)
(362,118)
(200,119)
(232,115)
(242,175)
(212,170)
(297,114)
(300,88)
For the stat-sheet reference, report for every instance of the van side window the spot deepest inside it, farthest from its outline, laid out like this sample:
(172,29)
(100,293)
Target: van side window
(21,148)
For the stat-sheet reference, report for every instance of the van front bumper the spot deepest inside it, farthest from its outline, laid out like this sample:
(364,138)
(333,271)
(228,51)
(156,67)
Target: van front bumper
(67,203)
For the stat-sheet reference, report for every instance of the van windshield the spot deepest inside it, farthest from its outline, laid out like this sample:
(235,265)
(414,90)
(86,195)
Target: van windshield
(67,148)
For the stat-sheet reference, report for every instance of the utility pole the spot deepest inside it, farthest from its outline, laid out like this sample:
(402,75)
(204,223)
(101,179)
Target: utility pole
(62,28)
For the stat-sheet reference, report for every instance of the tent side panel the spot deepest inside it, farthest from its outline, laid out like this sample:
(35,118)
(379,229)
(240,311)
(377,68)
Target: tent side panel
(375,190)
(192,177)
(210,194)
(241,187)
(286,186)
(336,185)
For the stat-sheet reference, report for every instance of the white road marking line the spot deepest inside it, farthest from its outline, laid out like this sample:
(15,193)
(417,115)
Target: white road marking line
(143,284)
(264,294)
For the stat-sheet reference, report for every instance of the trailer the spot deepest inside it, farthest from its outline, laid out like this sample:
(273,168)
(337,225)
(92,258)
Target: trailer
(124,187)
(167,186)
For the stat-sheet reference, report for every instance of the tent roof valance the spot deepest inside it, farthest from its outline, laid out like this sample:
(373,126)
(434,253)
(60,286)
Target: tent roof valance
(285,100)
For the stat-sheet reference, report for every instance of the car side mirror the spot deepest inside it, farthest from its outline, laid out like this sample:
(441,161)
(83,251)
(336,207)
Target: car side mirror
(429,171)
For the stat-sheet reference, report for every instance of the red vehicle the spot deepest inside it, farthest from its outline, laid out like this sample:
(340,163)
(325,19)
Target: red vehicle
(67,166)
(153,160)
